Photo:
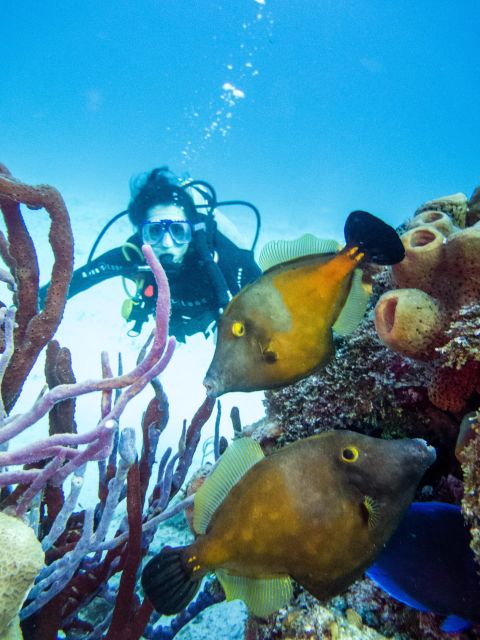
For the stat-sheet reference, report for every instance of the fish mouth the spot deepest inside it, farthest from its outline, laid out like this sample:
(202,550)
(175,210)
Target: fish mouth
(211,386)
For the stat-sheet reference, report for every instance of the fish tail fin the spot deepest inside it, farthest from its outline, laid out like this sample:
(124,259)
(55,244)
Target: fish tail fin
(378,240)
(169,580)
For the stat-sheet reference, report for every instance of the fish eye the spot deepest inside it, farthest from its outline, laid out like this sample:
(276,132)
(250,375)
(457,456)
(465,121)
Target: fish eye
(238,329)
(349,454)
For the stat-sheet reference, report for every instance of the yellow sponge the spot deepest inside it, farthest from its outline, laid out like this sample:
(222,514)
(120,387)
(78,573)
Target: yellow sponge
(21,559)
(409,321)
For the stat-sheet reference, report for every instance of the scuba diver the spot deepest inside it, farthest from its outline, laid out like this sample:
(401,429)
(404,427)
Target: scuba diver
(195,244)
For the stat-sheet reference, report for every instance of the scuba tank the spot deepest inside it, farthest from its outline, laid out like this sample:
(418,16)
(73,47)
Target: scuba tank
(204,235)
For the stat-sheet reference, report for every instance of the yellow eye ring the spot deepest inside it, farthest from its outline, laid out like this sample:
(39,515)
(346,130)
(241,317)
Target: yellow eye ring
(350,454)
(238,329)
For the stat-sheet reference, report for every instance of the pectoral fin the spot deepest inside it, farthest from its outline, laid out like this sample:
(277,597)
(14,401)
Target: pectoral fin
(371,510)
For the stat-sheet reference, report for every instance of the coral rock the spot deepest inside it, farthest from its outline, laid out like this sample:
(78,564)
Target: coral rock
(469,456)
(450,388)
(22,559)
(473,215)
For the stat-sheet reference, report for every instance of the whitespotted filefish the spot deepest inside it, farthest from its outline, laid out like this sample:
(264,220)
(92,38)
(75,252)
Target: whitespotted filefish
(319,511)
(279,328)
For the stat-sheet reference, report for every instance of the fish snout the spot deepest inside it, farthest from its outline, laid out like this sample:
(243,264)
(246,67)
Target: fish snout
(211,385)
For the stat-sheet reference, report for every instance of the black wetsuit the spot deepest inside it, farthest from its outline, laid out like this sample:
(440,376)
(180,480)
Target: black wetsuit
(194,303)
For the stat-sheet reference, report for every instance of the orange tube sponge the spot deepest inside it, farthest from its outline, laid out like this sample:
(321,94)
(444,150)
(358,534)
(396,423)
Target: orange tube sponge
(437,219)
(21,560)
(409,321)
(424,253)
(434,313)
(455,205)
(463,264)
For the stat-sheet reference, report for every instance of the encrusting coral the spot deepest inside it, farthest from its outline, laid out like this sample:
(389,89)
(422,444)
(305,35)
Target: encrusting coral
(469,456)
(433,314)
(20,562)
(367,388)
(363,612)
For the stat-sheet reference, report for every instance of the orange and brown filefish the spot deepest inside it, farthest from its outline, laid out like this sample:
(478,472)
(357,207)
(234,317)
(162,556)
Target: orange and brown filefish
(279,328)
(319,511)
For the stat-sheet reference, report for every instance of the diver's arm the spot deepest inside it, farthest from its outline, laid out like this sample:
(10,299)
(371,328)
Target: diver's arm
(109,264)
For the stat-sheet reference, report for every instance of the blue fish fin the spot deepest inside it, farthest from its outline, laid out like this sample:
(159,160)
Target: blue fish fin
(455,624)
(383,580)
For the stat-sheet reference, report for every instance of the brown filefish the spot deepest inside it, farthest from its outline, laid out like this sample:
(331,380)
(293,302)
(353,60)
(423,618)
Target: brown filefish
(319,511)
(278,329)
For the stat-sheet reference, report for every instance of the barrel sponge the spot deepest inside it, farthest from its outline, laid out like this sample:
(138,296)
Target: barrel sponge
(424,252)
(409,322)
(21,560)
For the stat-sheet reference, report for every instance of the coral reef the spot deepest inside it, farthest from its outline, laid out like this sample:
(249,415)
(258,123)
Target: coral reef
(88,586)
(363,611)
(367,387)
(83,561)
(21,560)
(417,381)
(434,311)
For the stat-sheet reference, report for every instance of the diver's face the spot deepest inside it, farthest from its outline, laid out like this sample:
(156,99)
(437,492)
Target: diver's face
(170,241)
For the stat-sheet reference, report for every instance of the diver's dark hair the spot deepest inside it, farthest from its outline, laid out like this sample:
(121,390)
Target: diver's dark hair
(159,187)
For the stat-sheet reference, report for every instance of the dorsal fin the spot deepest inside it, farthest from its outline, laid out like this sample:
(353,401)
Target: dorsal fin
(353,310)
(262,596)
(278,251)
(240,456)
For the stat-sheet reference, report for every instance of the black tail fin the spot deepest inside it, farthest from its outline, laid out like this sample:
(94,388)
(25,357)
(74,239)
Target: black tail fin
(378,240)
(167,581)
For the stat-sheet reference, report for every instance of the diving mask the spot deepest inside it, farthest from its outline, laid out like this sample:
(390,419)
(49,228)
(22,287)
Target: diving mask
(180,231)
